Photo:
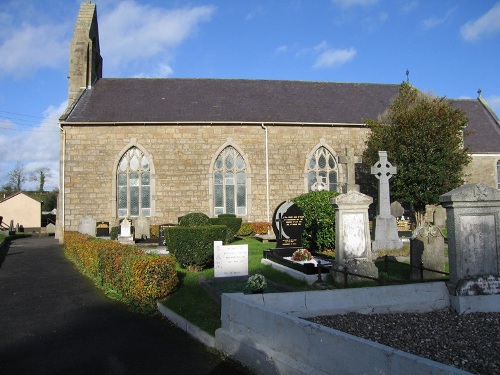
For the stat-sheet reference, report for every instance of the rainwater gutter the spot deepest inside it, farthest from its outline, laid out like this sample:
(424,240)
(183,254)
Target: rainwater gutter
(267,174)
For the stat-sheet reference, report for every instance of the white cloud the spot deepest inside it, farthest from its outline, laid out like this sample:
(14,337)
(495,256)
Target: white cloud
(488,23)
(23,53)
(494,102)
(281,49)
(35,147)
(334,57)
(431,22)
(133,33)
(350,3)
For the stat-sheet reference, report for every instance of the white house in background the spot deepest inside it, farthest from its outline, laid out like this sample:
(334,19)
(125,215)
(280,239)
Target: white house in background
(22,210)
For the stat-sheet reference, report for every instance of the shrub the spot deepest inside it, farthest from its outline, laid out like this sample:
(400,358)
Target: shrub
(260,227)
(132,274)
(245,230)
(232,223)
(193,246)
(319,215)
(194,219)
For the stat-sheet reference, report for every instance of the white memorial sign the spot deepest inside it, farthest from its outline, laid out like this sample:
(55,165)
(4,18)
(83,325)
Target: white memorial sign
(231,260)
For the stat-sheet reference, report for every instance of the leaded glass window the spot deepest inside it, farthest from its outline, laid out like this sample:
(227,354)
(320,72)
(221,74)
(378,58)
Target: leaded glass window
(498,175)
(133,184)
(230,194)
(322,170)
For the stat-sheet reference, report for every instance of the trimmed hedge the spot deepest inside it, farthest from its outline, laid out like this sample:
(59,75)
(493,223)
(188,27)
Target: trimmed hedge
(193,247)
(136,276)
(194,219)
(232,223)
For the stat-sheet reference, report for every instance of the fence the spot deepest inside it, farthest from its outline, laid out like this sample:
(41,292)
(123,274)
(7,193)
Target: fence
(382,279)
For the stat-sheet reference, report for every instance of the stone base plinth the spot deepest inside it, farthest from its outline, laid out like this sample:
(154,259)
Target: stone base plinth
(386,234)
(362,267)
(126,240)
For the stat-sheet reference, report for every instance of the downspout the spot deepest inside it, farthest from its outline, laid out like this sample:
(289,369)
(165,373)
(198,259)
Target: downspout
(267,176)
(62,218)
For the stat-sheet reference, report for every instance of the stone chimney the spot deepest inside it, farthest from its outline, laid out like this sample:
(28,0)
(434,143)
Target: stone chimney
(85,61)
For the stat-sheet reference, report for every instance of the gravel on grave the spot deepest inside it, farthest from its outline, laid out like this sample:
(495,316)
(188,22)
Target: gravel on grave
(470,342)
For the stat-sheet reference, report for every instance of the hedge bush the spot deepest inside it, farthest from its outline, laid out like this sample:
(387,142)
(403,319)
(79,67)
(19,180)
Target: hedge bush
(193,247)
(319,215)
(135,276)
(232,223)
(194,219)
(260,227)
(245,230)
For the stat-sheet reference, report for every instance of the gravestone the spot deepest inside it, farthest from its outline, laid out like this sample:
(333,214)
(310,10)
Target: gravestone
(397,209)
(12,231)
(87,225)
(125,236)
(429,213)
(142,227)
(102,229)
(350,160)
(440,217)
(288,225)
(231,260)
(352,236)
(386,230)
(427,247)
(50,229)
(473,222)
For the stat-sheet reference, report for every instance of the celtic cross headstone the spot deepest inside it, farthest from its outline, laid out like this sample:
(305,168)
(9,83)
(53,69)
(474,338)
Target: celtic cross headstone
(386,228)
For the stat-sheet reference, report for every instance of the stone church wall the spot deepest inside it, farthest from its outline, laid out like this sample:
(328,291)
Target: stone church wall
(182,156)
(483,168)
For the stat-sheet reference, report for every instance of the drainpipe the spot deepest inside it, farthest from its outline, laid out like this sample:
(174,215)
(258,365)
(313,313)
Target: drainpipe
(61,212)
(267,176)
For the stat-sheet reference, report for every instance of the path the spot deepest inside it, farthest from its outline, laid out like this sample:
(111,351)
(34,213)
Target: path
(53,320)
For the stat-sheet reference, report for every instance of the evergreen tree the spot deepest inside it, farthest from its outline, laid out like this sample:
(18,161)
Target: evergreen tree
(423,137)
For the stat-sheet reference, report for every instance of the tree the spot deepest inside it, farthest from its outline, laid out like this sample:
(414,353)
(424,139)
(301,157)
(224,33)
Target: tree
(17,177)
(423,137)
(42,175)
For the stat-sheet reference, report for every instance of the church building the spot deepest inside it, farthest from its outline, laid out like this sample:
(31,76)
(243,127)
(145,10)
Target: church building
(162,148)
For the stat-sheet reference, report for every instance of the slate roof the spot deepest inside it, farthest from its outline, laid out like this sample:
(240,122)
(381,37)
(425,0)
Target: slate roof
(129,100)
(483,126)
(177,101)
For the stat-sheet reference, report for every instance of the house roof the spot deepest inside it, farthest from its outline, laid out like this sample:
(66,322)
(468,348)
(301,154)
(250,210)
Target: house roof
(129,100)
(165,101)
(18,194)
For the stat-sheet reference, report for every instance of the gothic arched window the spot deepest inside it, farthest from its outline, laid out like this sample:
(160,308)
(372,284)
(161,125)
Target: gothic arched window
(498,175)
(133,184)
(230,190)
(322,171)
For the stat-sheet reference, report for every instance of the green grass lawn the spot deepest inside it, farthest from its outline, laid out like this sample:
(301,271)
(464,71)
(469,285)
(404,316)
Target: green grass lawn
(194,304)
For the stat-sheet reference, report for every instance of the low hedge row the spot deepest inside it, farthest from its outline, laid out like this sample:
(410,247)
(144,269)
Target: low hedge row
(138,277)
(257,227)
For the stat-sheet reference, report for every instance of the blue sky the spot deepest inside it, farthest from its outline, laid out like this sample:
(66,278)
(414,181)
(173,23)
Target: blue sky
(451,48)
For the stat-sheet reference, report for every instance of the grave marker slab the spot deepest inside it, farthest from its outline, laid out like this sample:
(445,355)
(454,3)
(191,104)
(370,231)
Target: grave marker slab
(288,225)
(87,225)
(427,247)
(125,236)
(231,260)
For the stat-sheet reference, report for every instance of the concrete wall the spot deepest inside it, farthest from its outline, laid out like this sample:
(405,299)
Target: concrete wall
(265,333)
(23,209)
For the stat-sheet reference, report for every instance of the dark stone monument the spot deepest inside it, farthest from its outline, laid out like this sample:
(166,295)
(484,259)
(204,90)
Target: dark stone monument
(102,229)
(288,225)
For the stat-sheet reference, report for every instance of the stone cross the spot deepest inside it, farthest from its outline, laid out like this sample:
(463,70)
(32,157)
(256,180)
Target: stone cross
(383,170)
(351,160)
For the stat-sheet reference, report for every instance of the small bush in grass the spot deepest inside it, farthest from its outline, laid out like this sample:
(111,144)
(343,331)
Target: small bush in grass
(193,246)
(194,219)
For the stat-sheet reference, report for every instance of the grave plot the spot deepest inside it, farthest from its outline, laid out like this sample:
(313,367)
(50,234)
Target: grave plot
(288,225)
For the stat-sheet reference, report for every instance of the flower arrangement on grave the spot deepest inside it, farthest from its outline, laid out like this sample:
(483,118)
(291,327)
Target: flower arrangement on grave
(257,283)
(301,255)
